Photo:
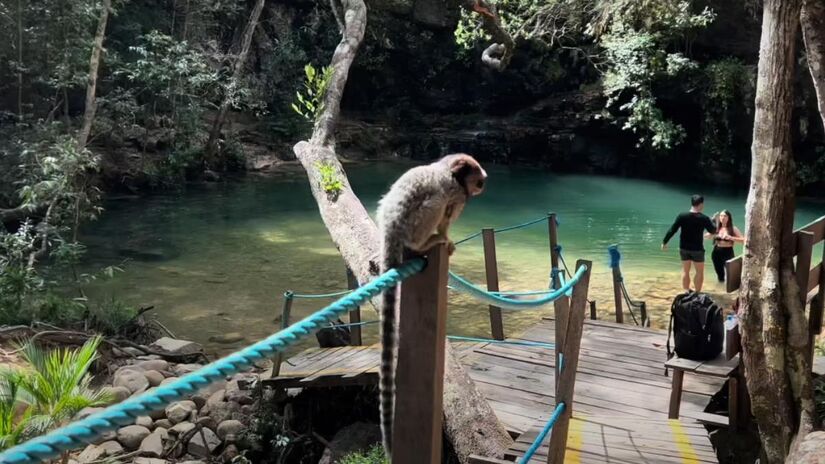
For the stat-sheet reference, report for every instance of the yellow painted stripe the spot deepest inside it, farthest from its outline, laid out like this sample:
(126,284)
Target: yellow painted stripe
(574,441)
(682,442)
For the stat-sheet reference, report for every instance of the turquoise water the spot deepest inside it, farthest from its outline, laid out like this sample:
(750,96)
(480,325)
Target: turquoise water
(215,260)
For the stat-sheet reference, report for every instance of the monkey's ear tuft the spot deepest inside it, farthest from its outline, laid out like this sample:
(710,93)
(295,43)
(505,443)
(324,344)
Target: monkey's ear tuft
(459,163)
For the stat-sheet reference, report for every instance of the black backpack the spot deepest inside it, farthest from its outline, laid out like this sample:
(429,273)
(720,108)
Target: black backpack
(697,325)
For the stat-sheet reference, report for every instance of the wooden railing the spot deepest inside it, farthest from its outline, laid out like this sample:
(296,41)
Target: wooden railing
(811,280)
(491,273)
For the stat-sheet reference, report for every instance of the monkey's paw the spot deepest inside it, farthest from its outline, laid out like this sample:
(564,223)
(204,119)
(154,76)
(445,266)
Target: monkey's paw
(450,248)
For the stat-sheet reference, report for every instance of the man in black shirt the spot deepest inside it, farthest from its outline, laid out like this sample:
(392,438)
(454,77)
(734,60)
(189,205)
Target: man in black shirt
(693,224)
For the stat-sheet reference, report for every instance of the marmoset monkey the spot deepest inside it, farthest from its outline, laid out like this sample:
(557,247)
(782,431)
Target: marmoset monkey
(413,217)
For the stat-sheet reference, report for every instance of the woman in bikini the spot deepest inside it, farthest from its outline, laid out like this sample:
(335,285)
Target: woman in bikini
(723,240)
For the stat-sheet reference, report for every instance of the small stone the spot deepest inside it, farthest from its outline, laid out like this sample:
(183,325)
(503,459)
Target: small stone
(180,411)
(149,357)
(165,423)
(145,421)
(200,448)
(175,346)
(168,380)
(91,453)
(153,365)
(181,428)
(108,435)
(216,397)
(132,351)
(149,461)
(155,378)
(135,381)
(231,426)
(230,453)
(131,436)
(111,447)
(152,445)
(86,412)
(208,422)
(118,394)
(183,369)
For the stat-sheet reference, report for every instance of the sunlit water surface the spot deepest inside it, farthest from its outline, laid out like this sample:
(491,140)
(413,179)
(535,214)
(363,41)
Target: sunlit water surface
(214,261)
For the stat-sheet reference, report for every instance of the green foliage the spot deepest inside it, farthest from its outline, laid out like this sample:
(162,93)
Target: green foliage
(727,100)
(330,179)
(52,388)
(374,455)
(310,103)
(636,37)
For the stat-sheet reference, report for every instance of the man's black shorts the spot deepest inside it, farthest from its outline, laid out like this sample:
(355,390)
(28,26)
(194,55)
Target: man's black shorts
(691,255)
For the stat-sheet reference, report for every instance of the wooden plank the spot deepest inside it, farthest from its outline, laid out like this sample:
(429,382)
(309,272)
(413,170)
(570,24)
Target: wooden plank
(817,228)
(561,307)
(488,237)
(814,276)
(733,274)
(567,380)
(417,431)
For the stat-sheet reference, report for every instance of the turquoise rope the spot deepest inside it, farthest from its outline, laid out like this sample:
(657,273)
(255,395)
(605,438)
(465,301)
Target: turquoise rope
(86,430)
(467,238)
(320,295)
(539,439)
(502,342)
(465,286)
(521,226)
(352,324)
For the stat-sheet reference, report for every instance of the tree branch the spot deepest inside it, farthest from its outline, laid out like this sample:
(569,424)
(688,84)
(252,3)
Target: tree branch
(813,31)
(499,53)
(470,422)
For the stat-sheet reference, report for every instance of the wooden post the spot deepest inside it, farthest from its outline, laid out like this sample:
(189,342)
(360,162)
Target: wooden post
(643,312)
(420,372)
(355,314)
(617,289)
(488,235)
(561,307)
(804,253)
(593,315)
(285,312)
(817,306)
(567,382)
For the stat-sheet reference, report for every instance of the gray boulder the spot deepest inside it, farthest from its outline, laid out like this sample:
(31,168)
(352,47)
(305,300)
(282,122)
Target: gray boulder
(131,436)
(200,448)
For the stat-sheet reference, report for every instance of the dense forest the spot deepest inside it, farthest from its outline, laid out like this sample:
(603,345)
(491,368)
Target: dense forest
(131,97)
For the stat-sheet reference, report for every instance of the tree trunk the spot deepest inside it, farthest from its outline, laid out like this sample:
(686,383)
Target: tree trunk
(813,30)
(94,64)
(20,60)
(470,423)
(774,329)
(237,72)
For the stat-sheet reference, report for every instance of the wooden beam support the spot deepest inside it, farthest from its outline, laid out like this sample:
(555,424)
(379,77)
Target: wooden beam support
(570,349)
(488,236)
(417,426)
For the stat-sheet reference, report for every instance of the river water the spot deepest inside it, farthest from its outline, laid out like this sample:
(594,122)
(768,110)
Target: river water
(215,260)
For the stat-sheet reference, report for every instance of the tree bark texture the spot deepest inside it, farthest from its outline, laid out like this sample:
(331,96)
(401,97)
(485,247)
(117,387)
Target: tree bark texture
(94,65)
(773,324)
(813,31)
(237,72)
(470,422)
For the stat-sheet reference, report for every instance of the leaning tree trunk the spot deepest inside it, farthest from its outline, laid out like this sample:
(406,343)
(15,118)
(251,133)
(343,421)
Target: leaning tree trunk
(470,423)
(91,86)
(774,329)
(237,72)
(813,30)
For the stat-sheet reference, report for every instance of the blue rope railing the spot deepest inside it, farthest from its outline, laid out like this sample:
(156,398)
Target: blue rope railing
(319,295)
(505,229)
(461,284)
(86,430)
(544,431)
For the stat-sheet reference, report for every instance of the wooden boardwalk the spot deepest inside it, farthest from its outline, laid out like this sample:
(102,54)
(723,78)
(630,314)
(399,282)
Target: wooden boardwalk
(621,400)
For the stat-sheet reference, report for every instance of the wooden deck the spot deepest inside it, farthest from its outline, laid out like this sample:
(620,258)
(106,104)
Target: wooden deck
(621,400)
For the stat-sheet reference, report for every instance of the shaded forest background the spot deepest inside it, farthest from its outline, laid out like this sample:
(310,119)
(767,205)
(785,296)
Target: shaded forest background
(651,88)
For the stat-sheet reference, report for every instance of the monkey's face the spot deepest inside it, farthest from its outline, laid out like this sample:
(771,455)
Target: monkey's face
(468,173)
